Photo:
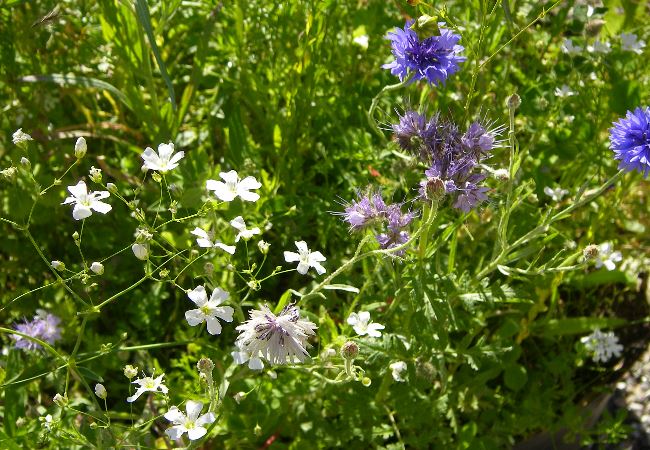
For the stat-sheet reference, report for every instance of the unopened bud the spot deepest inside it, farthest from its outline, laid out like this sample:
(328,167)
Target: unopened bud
(100,391)
(58,265)
(141,251)
(156,177)
(349,350)
(513,101)
(97,267)
(208,268)
(60,400)
(366,381)
(25,162)
(80,148)
(263,246)
(239,396)
(75,235)
(111,188)
(130,371)
(205,365)
(591,251)
(95,174)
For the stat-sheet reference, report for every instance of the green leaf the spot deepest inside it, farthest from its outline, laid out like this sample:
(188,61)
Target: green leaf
(89,374)
(74,80)
(515,376)
(574,325)
(341,287)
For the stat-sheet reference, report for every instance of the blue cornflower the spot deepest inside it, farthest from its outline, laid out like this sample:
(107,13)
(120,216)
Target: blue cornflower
(433,58)
(630,140)
(45,327)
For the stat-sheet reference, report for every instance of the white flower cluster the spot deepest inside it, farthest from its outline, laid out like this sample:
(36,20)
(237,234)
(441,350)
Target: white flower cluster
(602,346)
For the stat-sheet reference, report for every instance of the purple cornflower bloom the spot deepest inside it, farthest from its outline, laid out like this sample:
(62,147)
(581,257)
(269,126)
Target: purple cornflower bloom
(44,326)
(630,140)
(433,58)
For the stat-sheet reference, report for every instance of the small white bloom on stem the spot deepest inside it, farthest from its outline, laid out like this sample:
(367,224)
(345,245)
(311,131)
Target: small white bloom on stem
(564,91)
(607,256)
(396,370)
(86,202)
(362,324)
(570,49)
(191,423)
(97,267)
(306,259)
(239,224)
(163,161)
(148,384)
(204,240)
(556,194)
(630,42)
(20,138)
(603,346)
(232,187)
(209,311)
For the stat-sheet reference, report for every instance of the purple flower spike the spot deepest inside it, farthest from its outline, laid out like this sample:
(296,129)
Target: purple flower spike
(434,58)
(630,140)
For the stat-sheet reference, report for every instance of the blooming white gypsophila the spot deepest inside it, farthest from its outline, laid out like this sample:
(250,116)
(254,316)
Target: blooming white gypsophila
(362,324)
(240,357)
(607,256)
(306,259)
(239,224)
(148,384)
(191,423)
(86,202)
(570,49)
(19,137)
(556,194)
(630,42)
(209,311)
(204,240)
(232,187)
(396,370)
(564,91)
(599,47)
(602,346)
(279,339)
(163,161)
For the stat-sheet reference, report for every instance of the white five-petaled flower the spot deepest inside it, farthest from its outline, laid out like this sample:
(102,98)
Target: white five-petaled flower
(19,137)
(240,357)
(362,324)
(163,161)
(209,311)
(306,259)
(239,224)
(86,202)
(204,240)
(630,42)
(599,47)
(232,187)
(603,346)
(564,91)
(607,256)
(570,49)
(279,339)
(556,194)
(191,423)
(148,384)
(396,370)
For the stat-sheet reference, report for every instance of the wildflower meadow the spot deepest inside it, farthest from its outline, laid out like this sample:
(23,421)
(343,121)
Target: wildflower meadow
(321,224)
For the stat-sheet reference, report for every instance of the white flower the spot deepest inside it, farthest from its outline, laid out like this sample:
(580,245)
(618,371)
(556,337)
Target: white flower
(58,265)
(564,91)
(141,251)
(205,241)
(80,148)
(599,47)
(279,339)
(100,391)
(556,194)
(95,174)
(48,422)
(19,137)
(86,202)
(191,424)
(570,49)
(361,41)
(607,256)
(98,268)
(239,224)
(148,384)
(232,187)
(163,161)
(630,43)
(209,310)
(602,345)
(240,357)
(306,259)
(362,324)
(397,368)
(263,246)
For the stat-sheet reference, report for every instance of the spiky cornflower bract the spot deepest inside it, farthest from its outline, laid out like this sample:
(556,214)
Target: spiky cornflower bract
(630,140)
(434,58)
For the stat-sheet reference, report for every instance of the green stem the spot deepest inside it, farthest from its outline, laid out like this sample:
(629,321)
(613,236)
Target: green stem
(375,102)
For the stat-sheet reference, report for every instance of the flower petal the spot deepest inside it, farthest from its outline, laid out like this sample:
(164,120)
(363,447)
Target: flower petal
(218,296)
(81,212)
(101,207)
(193,409)
(175,432)
(175,415)
(214,327)
(196,433)
(224,313)
(206,419)
(78,190)
(291,257)
(198,296)
(194,317)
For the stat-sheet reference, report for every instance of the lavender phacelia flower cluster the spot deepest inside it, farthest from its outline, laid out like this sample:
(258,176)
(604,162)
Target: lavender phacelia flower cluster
(371,210)
(44,326)
(433,58)
(453,157)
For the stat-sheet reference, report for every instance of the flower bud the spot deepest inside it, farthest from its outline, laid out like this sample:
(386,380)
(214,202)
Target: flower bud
(239,396)
(58,265)
(130,371)
(366,381)
(80,148)
(141,251)
(205,365)
(111,188)
(97,267)
(75,235)
(501,174)
(263,246)
(208,268)
(100,391)
(156,177)
(591,251)
(25,163)
(60,400)
(513,101)
(349,350)
(95,174)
